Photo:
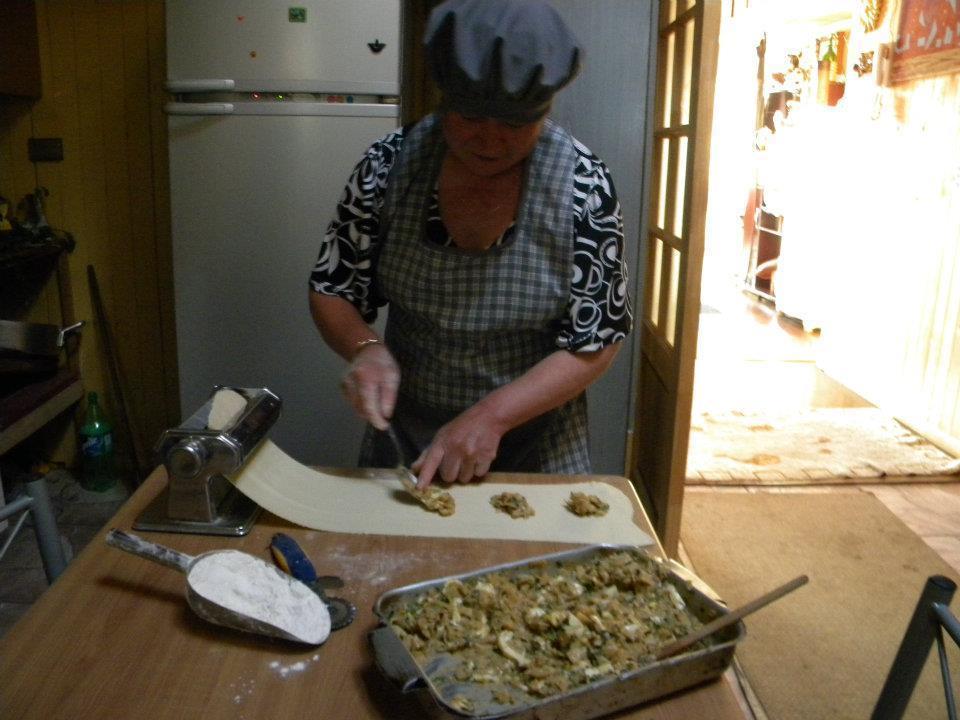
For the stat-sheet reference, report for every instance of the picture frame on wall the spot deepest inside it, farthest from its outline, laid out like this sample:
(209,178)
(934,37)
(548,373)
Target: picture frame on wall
(927,40)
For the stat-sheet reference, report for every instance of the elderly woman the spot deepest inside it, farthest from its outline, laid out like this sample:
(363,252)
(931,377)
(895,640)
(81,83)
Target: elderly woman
(495,239)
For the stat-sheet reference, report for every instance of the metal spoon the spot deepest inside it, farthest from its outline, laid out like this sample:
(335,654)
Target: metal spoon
(209,609)
(408,479)
(730,618)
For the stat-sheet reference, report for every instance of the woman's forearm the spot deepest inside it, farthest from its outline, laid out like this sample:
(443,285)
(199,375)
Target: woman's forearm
(340,324)
(372,377)
(550,383)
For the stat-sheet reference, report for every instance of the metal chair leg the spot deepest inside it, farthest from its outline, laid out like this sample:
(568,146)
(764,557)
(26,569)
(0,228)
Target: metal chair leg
(922,632)
(45,527)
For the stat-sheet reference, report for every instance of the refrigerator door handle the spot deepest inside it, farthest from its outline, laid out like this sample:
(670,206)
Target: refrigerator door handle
(199,85)
(180,108)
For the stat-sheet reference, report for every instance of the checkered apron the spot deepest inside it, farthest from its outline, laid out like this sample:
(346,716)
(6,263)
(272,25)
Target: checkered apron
(462,324)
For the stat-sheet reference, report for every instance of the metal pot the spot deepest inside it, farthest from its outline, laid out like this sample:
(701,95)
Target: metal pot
(32,347)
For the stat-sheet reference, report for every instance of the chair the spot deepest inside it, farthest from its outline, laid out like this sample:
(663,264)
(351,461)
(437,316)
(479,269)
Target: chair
(930,618)
(36,502)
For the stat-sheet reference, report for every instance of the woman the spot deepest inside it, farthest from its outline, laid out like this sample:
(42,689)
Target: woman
(495,238)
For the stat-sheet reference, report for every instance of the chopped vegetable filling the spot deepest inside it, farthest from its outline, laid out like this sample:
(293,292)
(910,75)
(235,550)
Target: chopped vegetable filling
(549,628)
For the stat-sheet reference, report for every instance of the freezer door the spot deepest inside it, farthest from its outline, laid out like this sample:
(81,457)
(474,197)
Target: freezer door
(327,46)
(251,197)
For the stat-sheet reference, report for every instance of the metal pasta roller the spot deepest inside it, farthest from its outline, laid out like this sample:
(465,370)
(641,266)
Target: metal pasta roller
(210,445)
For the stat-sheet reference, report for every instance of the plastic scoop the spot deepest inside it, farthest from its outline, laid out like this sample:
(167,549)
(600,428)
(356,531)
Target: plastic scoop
(239,591)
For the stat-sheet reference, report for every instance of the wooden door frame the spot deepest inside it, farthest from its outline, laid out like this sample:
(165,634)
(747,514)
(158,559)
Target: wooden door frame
(667,345)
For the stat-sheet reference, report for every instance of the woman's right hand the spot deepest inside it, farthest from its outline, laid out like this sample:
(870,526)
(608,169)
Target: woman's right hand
(370,384)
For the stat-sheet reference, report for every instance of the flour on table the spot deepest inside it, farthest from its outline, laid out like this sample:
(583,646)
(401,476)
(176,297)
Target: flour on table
(247,585)
(291,669)
(245,689)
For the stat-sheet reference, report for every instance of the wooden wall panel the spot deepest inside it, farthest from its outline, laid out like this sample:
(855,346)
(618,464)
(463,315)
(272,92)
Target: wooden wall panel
(102,72)
(893,333)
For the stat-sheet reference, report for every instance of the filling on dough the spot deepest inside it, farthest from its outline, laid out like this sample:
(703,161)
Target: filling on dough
(513,504)
(436,500)
(583,505)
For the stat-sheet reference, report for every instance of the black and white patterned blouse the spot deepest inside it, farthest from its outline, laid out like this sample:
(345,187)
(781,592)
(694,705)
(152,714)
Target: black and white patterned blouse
(599,312)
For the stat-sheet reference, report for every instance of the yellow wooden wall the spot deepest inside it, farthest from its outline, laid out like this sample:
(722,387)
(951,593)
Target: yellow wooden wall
(102,67)
(893,333)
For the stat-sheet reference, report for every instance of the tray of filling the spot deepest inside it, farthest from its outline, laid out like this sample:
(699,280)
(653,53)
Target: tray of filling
(569,635)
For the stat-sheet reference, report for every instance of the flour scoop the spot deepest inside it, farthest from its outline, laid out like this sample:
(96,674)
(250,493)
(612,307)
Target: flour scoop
(240,591)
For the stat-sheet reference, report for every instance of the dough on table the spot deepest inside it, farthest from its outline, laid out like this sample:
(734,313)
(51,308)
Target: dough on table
(365,501)
(585,505)
(513,504)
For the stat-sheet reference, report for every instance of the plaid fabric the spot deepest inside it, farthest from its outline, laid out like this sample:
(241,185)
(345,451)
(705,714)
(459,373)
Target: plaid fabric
(462,324)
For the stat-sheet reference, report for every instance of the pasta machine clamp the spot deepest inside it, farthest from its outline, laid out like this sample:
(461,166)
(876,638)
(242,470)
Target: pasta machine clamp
(200,454)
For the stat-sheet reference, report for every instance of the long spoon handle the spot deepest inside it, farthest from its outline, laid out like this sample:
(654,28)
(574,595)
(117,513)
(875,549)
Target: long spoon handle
(407,478)
(151,551)
(730,618)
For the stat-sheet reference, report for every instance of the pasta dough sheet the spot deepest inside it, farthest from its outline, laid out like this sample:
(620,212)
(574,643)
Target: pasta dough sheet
(373,501)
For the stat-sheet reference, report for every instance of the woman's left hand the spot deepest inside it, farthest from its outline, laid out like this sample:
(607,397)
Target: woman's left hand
(461,451)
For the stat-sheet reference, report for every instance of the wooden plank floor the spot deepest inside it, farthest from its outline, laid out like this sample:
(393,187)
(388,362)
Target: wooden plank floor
(752,358)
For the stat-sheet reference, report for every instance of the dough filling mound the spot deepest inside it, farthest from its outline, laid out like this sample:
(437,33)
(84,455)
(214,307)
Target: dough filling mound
(586,505)
(513,504)
(436,500)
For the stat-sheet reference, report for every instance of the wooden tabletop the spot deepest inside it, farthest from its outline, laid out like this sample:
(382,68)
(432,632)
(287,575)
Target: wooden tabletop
(114,637)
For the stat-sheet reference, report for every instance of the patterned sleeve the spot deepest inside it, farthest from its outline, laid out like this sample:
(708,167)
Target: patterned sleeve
(599,313)
(344,265)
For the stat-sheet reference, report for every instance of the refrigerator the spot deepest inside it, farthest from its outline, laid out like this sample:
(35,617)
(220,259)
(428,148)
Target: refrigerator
(271,107)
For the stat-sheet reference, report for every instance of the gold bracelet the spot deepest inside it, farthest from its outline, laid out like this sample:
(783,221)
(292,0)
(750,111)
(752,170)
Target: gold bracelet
(361,344)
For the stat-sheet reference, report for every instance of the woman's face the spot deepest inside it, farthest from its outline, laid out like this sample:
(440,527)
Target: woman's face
(488,147)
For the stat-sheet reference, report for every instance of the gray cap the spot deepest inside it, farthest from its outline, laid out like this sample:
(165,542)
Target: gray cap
(500,58)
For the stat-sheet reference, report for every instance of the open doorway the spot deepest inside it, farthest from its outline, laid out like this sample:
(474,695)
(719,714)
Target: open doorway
(781,77)
(773,231)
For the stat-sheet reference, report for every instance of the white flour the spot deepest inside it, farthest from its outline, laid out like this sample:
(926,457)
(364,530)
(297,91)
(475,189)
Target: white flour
(284,670)
(247,585)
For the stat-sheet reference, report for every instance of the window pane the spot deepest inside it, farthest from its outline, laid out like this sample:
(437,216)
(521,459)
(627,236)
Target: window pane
(681,188)
(687,77)
(668,11)
(654,271)
(671,298)
(662,186)
(668,80)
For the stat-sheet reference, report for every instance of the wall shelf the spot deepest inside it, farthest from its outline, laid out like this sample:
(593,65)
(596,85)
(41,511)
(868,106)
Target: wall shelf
(31,400)
(27,410)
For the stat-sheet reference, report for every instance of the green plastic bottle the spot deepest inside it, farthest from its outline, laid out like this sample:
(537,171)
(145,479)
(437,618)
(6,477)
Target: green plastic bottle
(96,436)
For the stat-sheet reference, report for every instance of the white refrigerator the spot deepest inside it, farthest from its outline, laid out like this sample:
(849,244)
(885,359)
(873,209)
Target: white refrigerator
(272,106)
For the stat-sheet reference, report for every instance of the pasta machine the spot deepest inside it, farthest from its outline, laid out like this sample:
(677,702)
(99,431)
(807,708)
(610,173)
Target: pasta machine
(210,445)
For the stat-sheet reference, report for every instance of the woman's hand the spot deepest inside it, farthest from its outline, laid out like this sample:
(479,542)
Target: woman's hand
(370,384)
(462,450)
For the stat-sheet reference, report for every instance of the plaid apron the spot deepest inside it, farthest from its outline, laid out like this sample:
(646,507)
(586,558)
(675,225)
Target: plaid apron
(461,323)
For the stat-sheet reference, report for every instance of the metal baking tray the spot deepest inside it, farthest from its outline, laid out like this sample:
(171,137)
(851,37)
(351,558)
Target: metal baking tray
(605,695)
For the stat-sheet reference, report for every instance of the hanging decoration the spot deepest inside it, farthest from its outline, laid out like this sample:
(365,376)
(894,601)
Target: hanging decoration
(870,13)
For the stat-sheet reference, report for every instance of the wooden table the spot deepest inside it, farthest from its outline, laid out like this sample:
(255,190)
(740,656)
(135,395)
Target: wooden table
(114,638)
